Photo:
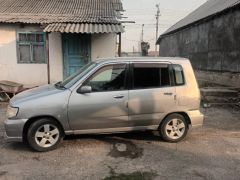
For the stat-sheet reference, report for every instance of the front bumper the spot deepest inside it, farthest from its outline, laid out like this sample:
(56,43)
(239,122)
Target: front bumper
(14,130)
(196,118)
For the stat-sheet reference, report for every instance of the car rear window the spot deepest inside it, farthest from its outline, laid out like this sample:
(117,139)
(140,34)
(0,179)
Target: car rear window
(150,75)
(178,75)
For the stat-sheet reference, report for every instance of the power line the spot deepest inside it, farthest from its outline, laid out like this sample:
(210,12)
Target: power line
(153,24)
(163,9)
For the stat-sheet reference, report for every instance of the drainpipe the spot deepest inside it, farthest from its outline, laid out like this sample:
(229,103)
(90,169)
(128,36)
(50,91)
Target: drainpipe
(47,52)
(119,44)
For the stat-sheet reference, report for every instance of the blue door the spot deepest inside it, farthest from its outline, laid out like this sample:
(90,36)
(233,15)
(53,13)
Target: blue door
(76,52)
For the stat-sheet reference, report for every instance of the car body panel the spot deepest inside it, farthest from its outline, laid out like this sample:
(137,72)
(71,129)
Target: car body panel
(196,118)
(34,93)
(148,106)
(100,112)
(14,129)
(45,101)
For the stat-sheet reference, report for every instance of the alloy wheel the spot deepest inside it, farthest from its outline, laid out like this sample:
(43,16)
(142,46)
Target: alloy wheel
(47,135)
(175,128)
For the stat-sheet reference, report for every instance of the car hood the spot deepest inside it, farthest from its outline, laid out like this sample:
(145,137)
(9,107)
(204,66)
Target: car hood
(34,93)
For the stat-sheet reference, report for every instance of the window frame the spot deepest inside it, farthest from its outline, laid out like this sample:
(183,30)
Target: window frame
(131,81)
(31,44)
(126,87)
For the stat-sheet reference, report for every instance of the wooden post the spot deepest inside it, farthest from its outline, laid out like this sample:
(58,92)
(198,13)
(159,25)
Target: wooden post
(119,44)
(47,54)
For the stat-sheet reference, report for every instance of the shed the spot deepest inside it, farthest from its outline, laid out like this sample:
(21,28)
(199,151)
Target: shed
(209,37)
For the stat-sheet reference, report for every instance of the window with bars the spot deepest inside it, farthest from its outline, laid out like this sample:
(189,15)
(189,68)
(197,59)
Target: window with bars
(31,47)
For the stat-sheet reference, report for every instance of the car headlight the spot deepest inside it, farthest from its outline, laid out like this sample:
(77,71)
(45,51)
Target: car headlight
(12,112)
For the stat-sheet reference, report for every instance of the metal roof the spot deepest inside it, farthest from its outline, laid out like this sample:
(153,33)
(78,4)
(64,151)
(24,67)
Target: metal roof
(84,28)
(210,8)
(60,11)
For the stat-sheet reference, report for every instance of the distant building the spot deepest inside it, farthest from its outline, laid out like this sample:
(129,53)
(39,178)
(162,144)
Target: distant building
(209,37)
(131,54)
(145,46)
(139,54)
(153,53)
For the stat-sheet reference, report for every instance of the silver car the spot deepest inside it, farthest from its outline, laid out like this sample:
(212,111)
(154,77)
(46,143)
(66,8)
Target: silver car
(109,96)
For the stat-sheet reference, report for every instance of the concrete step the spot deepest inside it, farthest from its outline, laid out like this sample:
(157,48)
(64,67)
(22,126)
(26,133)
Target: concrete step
(223,87)
(209,84)
(219,92)
(220,95)
(233,106)
(220,99)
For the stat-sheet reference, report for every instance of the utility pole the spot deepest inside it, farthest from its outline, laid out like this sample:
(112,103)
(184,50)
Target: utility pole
(119,44)
(157,22)
(141,41)
(142,33)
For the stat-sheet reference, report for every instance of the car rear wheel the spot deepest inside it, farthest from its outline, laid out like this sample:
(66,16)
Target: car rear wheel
(44,135)
(174,128)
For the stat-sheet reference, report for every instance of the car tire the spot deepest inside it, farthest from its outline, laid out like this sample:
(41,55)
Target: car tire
(174,128)
(44,135)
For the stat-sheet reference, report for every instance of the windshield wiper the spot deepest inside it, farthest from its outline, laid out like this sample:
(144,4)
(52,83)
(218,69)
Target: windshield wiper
(59,85)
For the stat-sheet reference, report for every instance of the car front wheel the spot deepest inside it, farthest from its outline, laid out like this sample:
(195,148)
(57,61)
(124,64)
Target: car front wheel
(174,128)
(44,135)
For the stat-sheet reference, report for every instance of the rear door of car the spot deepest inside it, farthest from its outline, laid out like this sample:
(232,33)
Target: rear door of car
(151,94)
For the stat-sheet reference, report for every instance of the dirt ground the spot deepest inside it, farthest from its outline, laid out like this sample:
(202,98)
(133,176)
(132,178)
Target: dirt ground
(212,152)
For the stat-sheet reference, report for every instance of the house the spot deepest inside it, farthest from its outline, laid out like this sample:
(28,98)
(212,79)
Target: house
(45,41)
(210,38)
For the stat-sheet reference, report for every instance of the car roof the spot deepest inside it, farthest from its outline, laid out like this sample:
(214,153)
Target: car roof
(175,60)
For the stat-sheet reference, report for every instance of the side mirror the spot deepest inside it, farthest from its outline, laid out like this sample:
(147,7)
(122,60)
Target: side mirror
(84,89)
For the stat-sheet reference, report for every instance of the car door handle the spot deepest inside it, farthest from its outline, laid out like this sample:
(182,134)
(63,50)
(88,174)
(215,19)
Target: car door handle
(119,96)
(168,94)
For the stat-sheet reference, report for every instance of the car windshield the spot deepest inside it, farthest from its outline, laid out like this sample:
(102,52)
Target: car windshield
(71,80)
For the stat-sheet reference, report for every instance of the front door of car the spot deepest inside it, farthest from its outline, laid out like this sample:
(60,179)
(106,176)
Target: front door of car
(106,105)
(151,95)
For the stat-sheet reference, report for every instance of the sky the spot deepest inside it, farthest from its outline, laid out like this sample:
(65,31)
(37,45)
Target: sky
(144,11)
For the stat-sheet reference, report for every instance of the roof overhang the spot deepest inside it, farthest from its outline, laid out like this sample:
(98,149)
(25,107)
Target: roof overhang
(84,28)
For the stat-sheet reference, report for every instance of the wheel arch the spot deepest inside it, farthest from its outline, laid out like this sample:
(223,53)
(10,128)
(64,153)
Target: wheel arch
(34,119)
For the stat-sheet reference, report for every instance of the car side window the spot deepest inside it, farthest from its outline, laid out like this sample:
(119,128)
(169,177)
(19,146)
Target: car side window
(178,75)
(108,78)
(146,75)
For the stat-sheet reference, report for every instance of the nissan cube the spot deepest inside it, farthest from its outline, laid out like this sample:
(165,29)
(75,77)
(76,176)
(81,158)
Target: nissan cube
(109,96)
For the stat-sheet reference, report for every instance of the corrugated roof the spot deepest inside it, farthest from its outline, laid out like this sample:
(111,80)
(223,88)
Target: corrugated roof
(84,28)
(211,7)
(60,11)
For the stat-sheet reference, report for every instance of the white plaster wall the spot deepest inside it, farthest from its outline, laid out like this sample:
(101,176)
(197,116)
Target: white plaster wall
(103,45)
(27,74)
(55,57)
